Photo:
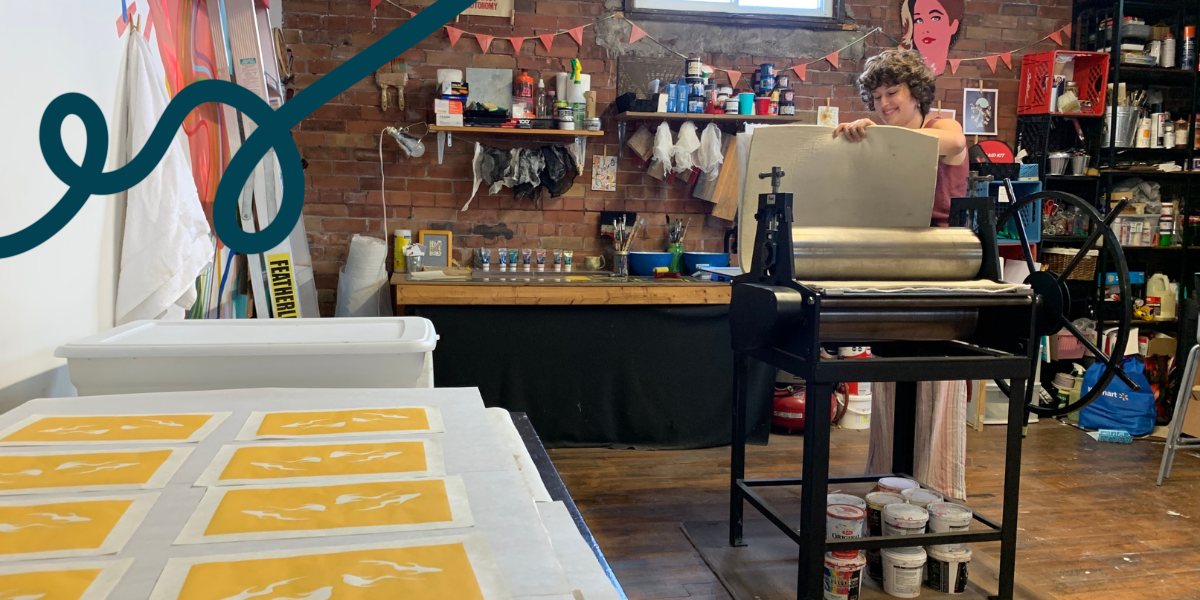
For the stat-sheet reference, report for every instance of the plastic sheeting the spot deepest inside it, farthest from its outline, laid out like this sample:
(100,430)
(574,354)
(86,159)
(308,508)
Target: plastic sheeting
(362,283)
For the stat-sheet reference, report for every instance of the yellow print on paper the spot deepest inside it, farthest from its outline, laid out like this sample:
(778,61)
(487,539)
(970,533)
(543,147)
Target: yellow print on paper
(43,472)
(288,462)
(447,569)
(73,429)
(408,419)
(69,581)
(272,512)
(68,526)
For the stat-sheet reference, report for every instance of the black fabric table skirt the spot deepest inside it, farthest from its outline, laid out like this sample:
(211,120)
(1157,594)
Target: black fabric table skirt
(622,376)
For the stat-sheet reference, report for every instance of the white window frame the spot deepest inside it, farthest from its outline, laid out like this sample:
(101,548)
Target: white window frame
(829,10)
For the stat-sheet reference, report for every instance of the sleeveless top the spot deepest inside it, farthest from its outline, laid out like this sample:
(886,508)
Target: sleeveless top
(951,183)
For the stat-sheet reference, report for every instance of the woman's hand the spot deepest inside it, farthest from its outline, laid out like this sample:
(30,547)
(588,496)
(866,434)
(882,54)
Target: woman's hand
(855,131)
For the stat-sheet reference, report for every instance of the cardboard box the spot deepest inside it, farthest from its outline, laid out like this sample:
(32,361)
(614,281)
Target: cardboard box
(447,107)
(449,121)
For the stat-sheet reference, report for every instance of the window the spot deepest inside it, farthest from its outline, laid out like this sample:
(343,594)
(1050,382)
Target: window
(822,10)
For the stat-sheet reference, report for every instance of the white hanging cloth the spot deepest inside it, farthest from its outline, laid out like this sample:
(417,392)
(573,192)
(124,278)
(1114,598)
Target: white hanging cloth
(167,241)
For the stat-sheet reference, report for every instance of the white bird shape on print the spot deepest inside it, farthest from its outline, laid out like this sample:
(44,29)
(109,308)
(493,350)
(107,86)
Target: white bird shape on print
(156,422)
(363,582)
(69,518)
(411,568)
(265,515)
(74,429)
(104,466)
(314,423)
(373,455)
(248,593)
(10,528)
(279,467)
(312,507)
(380,415)
(324,593)
(29,472)
(25,597)
(391,498)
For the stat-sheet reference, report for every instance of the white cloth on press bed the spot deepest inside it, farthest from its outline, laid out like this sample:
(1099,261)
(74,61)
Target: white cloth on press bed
(167,241)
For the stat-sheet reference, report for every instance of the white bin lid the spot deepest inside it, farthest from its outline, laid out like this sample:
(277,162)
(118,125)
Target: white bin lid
(257,337)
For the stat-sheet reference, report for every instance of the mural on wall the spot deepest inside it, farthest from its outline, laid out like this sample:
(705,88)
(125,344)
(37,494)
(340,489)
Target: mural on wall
(931,27)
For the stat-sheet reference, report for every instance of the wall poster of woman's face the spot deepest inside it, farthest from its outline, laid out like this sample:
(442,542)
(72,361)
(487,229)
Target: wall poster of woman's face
(931,27)
(979,112)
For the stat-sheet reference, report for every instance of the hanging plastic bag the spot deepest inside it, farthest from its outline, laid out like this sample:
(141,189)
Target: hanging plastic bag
(709,156)
(660,164)
(681,153)
(1119,407)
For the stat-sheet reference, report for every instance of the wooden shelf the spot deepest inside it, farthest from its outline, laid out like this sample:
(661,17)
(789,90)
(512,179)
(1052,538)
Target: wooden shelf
(808,117)
(513,130)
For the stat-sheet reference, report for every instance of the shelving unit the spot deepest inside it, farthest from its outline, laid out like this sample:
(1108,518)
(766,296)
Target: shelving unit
(445,135)
(802,117)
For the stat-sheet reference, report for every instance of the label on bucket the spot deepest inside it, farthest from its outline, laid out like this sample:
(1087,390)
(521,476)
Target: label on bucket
(948,578)
(842,585)
(904,582)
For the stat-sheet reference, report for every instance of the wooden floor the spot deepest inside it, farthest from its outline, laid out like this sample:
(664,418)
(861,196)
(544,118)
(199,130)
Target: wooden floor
(1093,524)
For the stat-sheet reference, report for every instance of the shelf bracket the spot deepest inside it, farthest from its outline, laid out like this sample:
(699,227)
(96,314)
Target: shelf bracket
(444,139)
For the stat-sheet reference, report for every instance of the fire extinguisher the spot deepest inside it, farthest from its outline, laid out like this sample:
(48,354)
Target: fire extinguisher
(788,409)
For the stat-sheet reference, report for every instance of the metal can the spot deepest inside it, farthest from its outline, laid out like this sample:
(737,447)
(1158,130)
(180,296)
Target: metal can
(732,105)
(1154,49)
(782,80)
(695,104)
(695,86)
(767,70)
(693,66)
(1188,56)
(787,109)
(787,95)
(562,110)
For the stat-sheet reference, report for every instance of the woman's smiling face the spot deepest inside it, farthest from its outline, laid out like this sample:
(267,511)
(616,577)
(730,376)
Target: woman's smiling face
(932,29)
(895,104)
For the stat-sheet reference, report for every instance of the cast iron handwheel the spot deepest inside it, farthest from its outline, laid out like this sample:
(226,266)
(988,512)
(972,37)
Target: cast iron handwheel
(1054,300)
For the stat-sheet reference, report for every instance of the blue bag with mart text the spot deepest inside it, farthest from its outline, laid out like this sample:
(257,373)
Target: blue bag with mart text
(1119,407)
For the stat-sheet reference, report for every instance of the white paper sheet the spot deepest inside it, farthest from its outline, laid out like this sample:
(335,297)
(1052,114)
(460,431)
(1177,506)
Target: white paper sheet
(434,465)
(578,560)
(111,572)
(113,542)
(158,480)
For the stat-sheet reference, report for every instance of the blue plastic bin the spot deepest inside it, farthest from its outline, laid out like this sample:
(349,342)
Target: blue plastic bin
(1031,213)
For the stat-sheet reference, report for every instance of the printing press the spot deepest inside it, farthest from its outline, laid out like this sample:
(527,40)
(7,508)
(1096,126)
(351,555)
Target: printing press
(932,305)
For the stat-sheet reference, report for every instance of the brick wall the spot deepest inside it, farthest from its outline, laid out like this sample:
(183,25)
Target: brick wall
(340,140)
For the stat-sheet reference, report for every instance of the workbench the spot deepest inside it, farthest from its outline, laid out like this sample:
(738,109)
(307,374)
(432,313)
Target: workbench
(592,360)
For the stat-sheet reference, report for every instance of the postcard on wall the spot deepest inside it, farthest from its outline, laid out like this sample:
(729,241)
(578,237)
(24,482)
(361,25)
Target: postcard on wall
(41,430)
(63,526)
(90,580)
(328,423)
(267,512)
(979,112)
(604,173)
(301,462)
(827,116)
(459,567)
(74,471)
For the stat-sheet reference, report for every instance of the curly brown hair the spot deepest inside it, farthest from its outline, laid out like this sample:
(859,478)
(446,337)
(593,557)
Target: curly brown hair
(896,66)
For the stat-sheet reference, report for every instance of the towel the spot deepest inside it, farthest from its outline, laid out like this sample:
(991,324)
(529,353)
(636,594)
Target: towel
(941,434)
(167,241)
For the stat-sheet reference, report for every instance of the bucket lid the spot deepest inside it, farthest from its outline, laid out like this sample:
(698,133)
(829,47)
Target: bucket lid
(905,513)
(908,556)
(845,511)
(897,483)
(850,499)
(921,496)
(953,553)
(878,500)
(949,510)
(845,561)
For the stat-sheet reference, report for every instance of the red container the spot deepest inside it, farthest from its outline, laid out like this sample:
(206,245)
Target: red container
(1037,79)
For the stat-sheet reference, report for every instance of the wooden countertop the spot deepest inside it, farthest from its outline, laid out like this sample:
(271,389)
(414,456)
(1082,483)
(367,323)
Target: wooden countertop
(586,289)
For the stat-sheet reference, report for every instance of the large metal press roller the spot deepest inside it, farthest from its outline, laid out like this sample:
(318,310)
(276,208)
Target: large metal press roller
(886,254)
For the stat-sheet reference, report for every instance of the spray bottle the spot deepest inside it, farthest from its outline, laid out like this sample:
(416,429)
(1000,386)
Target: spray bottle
(575,94)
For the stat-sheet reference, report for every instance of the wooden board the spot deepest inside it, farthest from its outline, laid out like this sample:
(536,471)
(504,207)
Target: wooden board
(728,190)
(765,568)
(416,294)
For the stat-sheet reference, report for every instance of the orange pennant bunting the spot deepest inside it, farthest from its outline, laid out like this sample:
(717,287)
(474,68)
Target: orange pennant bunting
(1057,37)
(375,3)
(454,33)
(122,24)
(801,71)
(954,63)
(734,76)
(635,33)
(832,57)
(1007,58)
(485,41)
(577,33)
(991,61)
(547,40)
(1067,30)
(516,42)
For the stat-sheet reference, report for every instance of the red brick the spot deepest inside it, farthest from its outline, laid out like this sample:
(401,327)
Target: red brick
(434,214)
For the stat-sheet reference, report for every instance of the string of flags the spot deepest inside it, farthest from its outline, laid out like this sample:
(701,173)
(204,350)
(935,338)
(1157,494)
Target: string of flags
(636,34)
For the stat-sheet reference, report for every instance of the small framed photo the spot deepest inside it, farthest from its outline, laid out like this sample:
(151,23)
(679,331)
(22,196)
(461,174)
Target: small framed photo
(438,247)
(979,112)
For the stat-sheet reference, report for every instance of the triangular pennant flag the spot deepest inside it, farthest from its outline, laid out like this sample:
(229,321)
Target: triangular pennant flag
(577,33)
(516,42)
(454,34)
(547,40)
(375,3)
(734,76)
(832,57)
(122,23)
(635,33)
(1067,30)
(1057,37)
(954,62)
(991,61)
(1007,58)
(485,41)
(801,71)
(267,3)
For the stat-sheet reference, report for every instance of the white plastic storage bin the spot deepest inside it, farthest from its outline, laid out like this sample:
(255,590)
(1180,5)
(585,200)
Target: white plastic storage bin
(173,356)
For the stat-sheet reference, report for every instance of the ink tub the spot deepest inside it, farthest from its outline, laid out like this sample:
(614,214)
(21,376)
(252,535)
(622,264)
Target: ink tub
(844,521)
(945,517)
(876,501)
(850,499)
(894,484)
(946,570)
(843,575)
(904,519)
(902,571)
(921,497)
(220,354)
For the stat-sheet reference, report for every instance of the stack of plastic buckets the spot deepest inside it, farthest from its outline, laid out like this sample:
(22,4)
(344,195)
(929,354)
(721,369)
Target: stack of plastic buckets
(856,395)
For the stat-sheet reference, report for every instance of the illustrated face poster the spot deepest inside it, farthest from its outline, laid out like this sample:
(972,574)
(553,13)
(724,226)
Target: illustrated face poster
(265,512)
(73,471)
(459,567)
(297,462)
(931,27)
(39,430)
(604,173)
(62,581)
(327,423)
(62,526)
(979,112)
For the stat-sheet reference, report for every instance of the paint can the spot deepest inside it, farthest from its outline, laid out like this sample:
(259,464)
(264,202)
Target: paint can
(857,388)
(591,124)
(693,66)
(732,106)
(695,104)
(844,521)
(875,503)
(787,95)
(766,83)
(787,109)
(895,485)
(946,571)
(850,499)
(782,80)
(725,92)
(843,575)
(695,86)
(854,352)
(566,123)
(766,70)
(922,497)
(745,103)
(902,569)
(858,410)
(947,517)
(1188,57)
(904,519)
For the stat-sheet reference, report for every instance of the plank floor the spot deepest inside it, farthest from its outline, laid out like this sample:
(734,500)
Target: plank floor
(1093,524)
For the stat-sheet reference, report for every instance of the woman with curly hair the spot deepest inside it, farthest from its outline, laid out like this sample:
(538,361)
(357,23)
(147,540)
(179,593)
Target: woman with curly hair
(899,88)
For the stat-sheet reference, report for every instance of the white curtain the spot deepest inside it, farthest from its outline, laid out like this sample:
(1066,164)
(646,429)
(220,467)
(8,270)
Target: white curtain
(940,441)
